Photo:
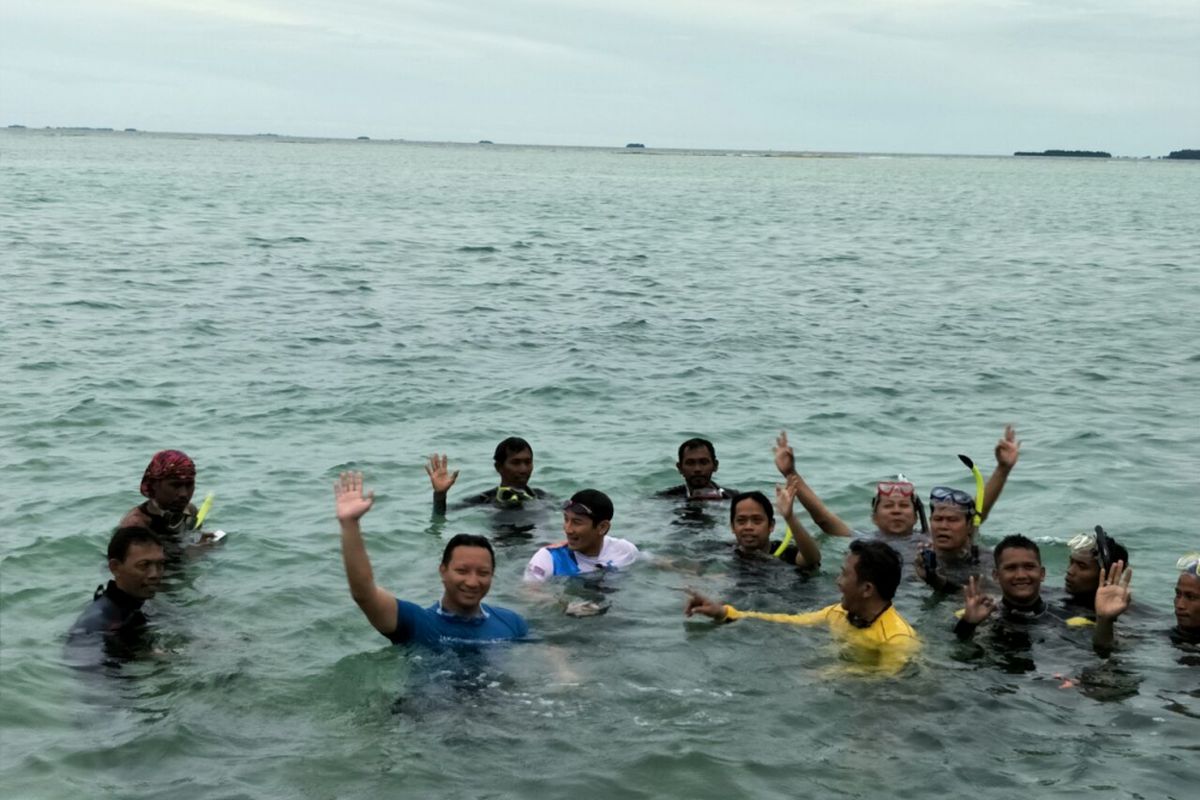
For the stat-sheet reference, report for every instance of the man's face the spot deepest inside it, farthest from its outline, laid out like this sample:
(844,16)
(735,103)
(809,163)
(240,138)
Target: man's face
(895,515)
(697,467)
(853,591)
(583,535)
(1187,602)
(1020,575)
(1083,573)
(752,526)
(141,571)
(950,527)
(173,494)
(516,469)
(467,577)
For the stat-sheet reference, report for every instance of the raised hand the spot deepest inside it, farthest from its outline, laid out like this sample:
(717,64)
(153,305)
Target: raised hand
(785,498)
(349,500)
(1008,449)
(977,605)
(440,476)
(1113,596)
(785,459)
(699,604)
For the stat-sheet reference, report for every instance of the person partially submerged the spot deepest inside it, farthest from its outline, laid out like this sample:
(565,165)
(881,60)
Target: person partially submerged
(513,460)
(865,620)
(895,508)
(115,615)
(459,618)
(697,463)
(587,518)
(752,519)
(168,484)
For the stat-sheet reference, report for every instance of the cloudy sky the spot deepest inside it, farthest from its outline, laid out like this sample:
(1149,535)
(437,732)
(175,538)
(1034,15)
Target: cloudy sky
(924,76)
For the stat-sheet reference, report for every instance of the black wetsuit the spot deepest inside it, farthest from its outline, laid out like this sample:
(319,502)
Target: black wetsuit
(112,611)
(1018,619)
(953,571)
(683,492)
(788,556)
(489,498)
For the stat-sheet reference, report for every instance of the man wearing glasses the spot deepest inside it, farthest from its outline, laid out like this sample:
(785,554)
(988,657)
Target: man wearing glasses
(588,548)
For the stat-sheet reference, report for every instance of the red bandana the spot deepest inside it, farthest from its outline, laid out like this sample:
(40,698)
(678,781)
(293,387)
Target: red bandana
(168,464)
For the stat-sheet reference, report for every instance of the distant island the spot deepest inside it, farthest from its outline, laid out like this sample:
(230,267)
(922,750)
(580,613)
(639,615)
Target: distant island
(1193,155)
(635,144)
(486,141)
(1067,153)
(364,138)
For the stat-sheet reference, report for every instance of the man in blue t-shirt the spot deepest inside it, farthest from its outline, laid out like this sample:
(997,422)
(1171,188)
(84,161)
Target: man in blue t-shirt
(460,617)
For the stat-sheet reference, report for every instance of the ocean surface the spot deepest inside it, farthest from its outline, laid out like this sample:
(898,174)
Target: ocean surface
(285,309)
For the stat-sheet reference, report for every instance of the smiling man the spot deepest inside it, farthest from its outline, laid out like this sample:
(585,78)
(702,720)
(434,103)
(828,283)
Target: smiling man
(753,521)
(588,548)
(460,617)
(865,620)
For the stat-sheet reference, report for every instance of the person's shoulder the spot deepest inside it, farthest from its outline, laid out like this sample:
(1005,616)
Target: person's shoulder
(97,617)
(619,546)
(509,618)
(135,517)
(894,627)
(727,492)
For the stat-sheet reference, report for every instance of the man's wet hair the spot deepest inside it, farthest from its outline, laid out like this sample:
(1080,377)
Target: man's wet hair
(757,497)
(1016,541)
(122,538)
(510,447)
(879,564)
(692,444)
(467,540)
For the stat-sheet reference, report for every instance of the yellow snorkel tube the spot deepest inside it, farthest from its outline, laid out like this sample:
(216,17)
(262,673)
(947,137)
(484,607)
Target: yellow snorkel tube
(205,507)
(783,546)
(978,488)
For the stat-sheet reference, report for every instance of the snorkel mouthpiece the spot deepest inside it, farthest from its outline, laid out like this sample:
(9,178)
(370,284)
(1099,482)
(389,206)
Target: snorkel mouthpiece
(978,488)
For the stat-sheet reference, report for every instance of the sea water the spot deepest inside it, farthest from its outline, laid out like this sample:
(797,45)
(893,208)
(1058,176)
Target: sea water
(285,309)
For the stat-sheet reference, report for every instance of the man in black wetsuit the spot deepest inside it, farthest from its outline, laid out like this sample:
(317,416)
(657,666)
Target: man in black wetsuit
(1019,573)
(753,521)
(136,559)
(697,463)
(1086,569)
(513,460)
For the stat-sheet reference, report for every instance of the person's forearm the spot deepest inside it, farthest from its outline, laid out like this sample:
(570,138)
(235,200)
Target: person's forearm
(1104,635)
(824,519)
(804,543)
(995,485)
(439,502)
(965,630)
(357,563)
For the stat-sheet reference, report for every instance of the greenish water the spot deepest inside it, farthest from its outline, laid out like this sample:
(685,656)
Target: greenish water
(282,310)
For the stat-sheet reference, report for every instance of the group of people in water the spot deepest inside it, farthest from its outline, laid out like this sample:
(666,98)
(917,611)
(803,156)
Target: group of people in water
(940,539)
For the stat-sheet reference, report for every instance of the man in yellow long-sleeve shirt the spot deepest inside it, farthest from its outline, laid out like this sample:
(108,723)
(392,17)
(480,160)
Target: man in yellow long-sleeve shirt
(865,618)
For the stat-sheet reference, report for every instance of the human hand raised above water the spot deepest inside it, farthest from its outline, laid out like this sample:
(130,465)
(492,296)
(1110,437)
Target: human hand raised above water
(440,476)
(350,502)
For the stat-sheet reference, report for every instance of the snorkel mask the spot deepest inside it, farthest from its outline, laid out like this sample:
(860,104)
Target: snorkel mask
(1095,544)
(1189,564)
(904,487)
(508,497)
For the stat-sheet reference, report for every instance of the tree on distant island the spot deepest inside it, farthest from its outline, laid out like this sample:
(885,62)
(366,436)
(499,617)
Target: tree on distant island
(1067,153)
(1193,155)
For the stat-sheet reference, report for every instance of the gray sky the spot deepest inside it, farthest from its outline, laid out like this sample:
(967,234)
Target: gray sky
(972,76)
